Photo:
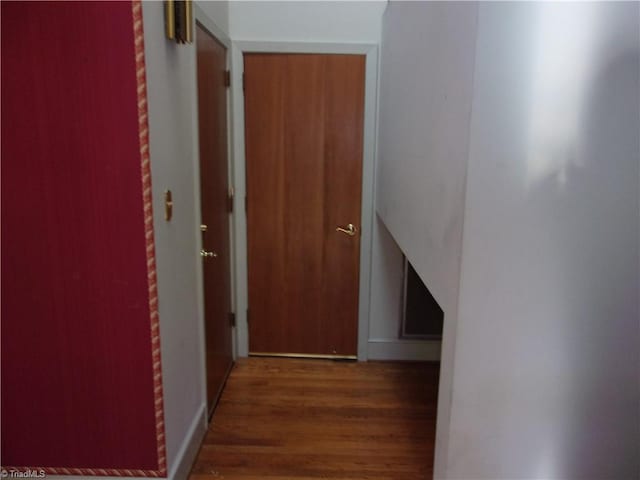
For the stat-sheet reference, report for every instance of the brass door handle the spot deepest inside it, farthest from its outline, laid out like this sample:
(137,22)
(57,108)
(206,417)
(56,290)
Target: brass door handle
(351,230)
(206,254)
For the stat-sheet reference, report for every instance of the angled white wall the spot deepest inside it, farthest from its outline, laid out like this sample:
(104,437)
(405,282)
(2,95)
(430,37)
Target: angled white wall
(540,357)
(425,105)
(546,369)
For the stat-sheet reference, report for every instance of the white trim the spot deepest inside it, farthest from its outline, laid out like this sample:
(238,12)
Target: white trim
(238,48)
(191,446)
(409,350)
(199,15)
(240,223)
(368,205)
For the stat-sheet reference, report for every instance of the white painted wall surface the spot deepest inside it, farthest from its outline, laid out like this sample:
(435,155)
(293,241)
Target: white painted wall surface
(306,21)
(425,104)
(546,371)
(218,12)
(172,100)
(172,134)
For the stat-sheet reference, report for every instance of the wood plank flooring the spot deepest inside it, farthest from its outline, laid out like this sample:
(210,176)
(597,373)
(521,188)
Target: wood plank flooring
(289,419)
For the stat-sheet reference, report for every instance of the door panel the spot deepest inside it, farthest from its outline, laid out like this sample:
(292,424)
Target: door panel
(304,134)
(214,191)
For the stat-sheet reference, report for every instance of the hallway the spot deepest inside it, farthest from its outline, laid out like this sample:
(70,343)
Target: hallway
(300,419)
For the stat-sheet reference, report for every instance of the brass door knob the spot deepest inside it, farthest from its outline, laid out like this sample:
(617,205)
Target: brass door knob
(206,254)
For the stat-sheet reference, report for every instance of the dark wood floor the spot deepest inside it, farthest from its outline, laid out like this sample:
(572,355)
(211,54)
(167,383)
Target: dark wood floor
(287,419)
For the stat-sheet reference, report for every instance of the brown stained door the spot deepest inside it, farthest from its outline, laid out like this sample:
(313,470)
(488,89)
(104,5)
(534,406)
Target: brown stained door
(214,191)
(304,137)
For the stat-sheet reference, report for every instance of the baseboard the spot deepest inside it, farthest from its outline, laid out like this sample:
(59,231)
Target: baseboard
(407,350)
(190,447)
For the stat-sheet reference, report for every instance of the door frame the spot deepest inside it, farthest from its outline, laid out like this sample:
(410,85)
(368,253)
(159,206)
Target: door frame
(370,51)
(208,24)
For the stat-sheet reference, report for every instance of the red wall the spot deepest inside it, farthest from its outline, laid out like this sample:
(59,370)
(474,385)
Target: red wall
(77,376)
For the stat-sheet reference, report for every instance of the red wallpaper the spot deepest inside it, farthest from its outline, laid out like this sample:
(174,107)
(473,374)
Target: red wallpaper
(77,373)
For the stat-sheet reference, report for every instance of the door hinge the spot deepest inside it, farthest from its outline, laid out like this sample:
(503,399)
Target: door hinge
(246,205)
(227,78)
(244,83)
(230,198)
(232,319)
(247,315)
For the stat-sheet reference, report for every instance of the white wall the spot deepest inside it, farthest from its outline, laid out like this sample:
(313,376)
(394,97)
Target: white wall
(306,21)
(546,369)
(218,12)
(171,92)
(542,369)
(425,104)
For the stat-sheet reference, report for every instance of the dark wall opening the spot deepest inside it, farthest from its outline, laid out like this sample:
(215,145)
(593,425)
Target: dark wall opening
(422,316)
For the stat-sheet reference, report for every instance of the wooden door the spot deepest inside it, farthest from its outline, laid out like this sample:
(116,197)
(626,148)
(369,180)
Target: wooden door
(214,191)
(304,136)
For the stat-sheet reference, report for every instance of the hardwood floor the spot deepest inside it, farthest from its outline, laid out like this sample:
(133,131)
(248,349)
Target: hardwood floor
(289,419)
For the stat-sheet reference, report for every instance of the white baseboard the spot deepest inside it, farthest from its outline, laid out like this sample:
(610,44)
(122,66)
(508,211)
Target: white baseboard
(408,350)
(190,447)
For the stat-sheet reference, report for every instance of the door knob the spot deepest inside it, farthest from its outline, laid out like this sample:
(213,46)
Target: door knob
(206,254)
(351,230)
